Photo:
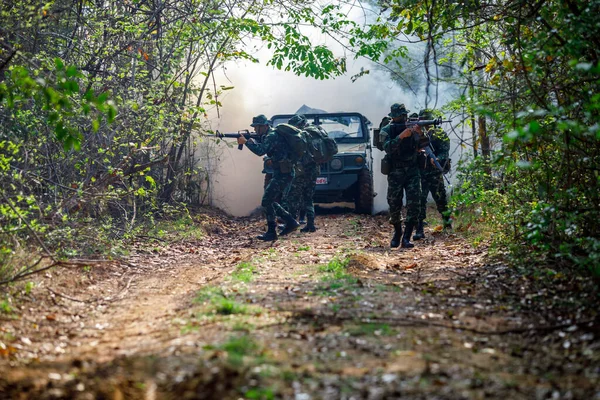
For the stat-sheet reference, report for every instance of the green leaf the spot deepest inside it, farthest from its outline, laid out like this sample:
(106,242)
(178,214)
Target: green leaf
(59,64)
(71,71)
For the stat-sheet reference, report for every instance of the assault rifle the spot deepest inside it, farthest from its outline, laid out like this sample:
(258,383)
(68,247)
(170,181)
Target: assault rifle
(429,149)
(244,132)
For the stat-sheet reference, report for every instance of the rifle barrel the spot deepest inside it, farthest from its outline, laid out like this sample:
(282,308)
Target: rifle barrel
(244,133)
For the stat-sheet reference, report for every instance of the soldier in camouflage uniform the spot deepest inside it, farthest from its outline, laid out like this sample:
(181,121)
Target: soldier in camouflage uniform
(431,177)
(401,145)
(301,193)
(275,147)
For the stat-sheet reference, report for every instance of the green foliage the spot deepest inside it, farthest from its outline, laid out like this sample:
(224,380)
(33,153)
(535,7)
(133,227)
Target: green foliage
(336,276)
(129,89)
(259,394)
(244,272)
(219,303)
(529,78)
(5,307)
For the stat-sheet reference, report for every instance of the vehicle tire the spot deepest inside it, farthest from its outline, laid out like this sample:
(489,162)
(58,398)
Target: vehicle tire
(363,203)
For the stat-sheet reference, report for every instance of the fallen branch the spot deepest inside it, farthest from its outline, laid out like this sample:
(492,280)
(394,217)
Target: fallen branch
(64,296)
(56,263)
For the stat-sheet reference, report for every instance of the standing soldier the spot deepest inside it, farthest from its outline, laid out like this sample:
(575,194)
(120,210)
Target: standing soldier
(401,145)
(300,196)
(276,147)
(431,177)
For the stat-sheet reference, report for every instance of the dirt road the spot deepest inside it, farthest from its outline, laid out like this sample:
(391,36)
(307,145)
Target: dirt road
(333,314)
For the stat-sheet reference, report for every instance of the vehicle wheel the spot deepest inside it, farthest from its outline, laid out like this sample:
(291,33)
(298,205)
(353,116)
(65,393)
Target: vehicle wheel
(363,202)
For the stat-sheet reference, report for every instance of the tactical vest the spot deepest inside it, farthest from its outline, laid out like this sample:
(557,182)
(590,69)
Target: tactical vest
(405,156)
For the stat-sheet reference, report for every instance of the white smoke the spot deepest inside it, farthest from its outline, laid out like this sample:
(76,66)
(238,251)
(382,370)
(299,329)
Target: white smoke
(237,186)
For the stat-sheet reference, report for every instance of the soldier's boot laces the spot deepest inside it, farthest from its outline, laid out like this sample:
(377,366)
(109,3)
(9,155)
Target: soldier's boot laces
(406,244)
(290,226)
(270,234)
(397,235)
(310,225)
(419,234)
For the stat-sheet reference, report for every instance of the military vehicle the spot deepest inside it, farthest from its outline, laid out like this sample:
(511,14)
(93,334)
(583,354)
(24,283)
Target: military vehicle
(348,177)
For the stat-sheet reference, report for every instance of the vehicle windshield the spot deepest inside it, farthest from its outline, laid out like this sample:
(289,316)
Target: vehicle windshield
(342,128)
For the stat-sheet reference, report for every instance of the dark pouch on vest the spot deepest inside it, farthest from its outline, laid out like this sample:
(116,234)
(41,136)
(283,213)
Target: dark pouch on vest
(385,165)
(285,166)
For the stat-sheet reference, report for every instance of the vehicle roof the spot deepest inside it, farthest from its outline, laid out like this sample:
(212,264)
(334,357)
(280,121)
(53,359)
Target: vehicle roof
(316,115)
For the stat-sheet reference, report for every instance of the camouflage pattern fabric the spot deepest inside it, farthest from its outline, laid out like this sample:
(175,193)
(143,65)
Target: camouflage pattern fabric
(441,144)
(432,181)
(400,180)
(404,174)
(274,146)
(301,193)
(276,189)
(431,178)
(302,190)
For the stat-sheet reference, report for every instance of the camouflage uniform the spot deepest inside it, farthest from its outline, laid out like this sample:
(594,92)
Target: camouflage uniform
(275,147)
(300,196)
(432,179)
(403,176)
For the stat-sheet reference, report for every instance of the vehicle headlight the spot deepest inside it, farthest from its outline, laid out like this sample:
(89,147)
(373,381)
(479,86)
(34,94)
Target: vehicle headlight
(336,164)
(359,160)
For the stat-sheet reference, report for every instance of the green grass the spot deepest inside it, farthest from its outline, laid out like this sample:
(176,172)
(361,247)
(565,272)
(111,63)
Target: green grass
(229,307)
(6,307)
(335,266)
(182,228)
(336,270)
(335,276)
(209,293)
(259,394)
(370,329)
(218,303)
(244,272)
(238,347)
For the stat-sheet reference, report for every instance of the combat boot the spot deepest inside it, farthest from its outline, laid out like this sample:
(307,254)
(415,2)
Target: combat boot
(270,234)
(310,225)
(397,235)
(419,234)
(406,244)
(290,225)
(302,219)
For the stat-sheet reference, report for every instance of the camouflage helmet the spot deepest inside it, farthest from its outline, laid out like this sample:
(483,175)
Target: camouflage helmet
(425,114)
(260,119)
(397,110)
(298,120)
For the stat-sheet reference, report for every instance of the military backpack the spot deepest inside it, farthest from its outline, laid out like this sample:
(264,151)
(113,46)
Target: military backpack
(294,139)
(321,146)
